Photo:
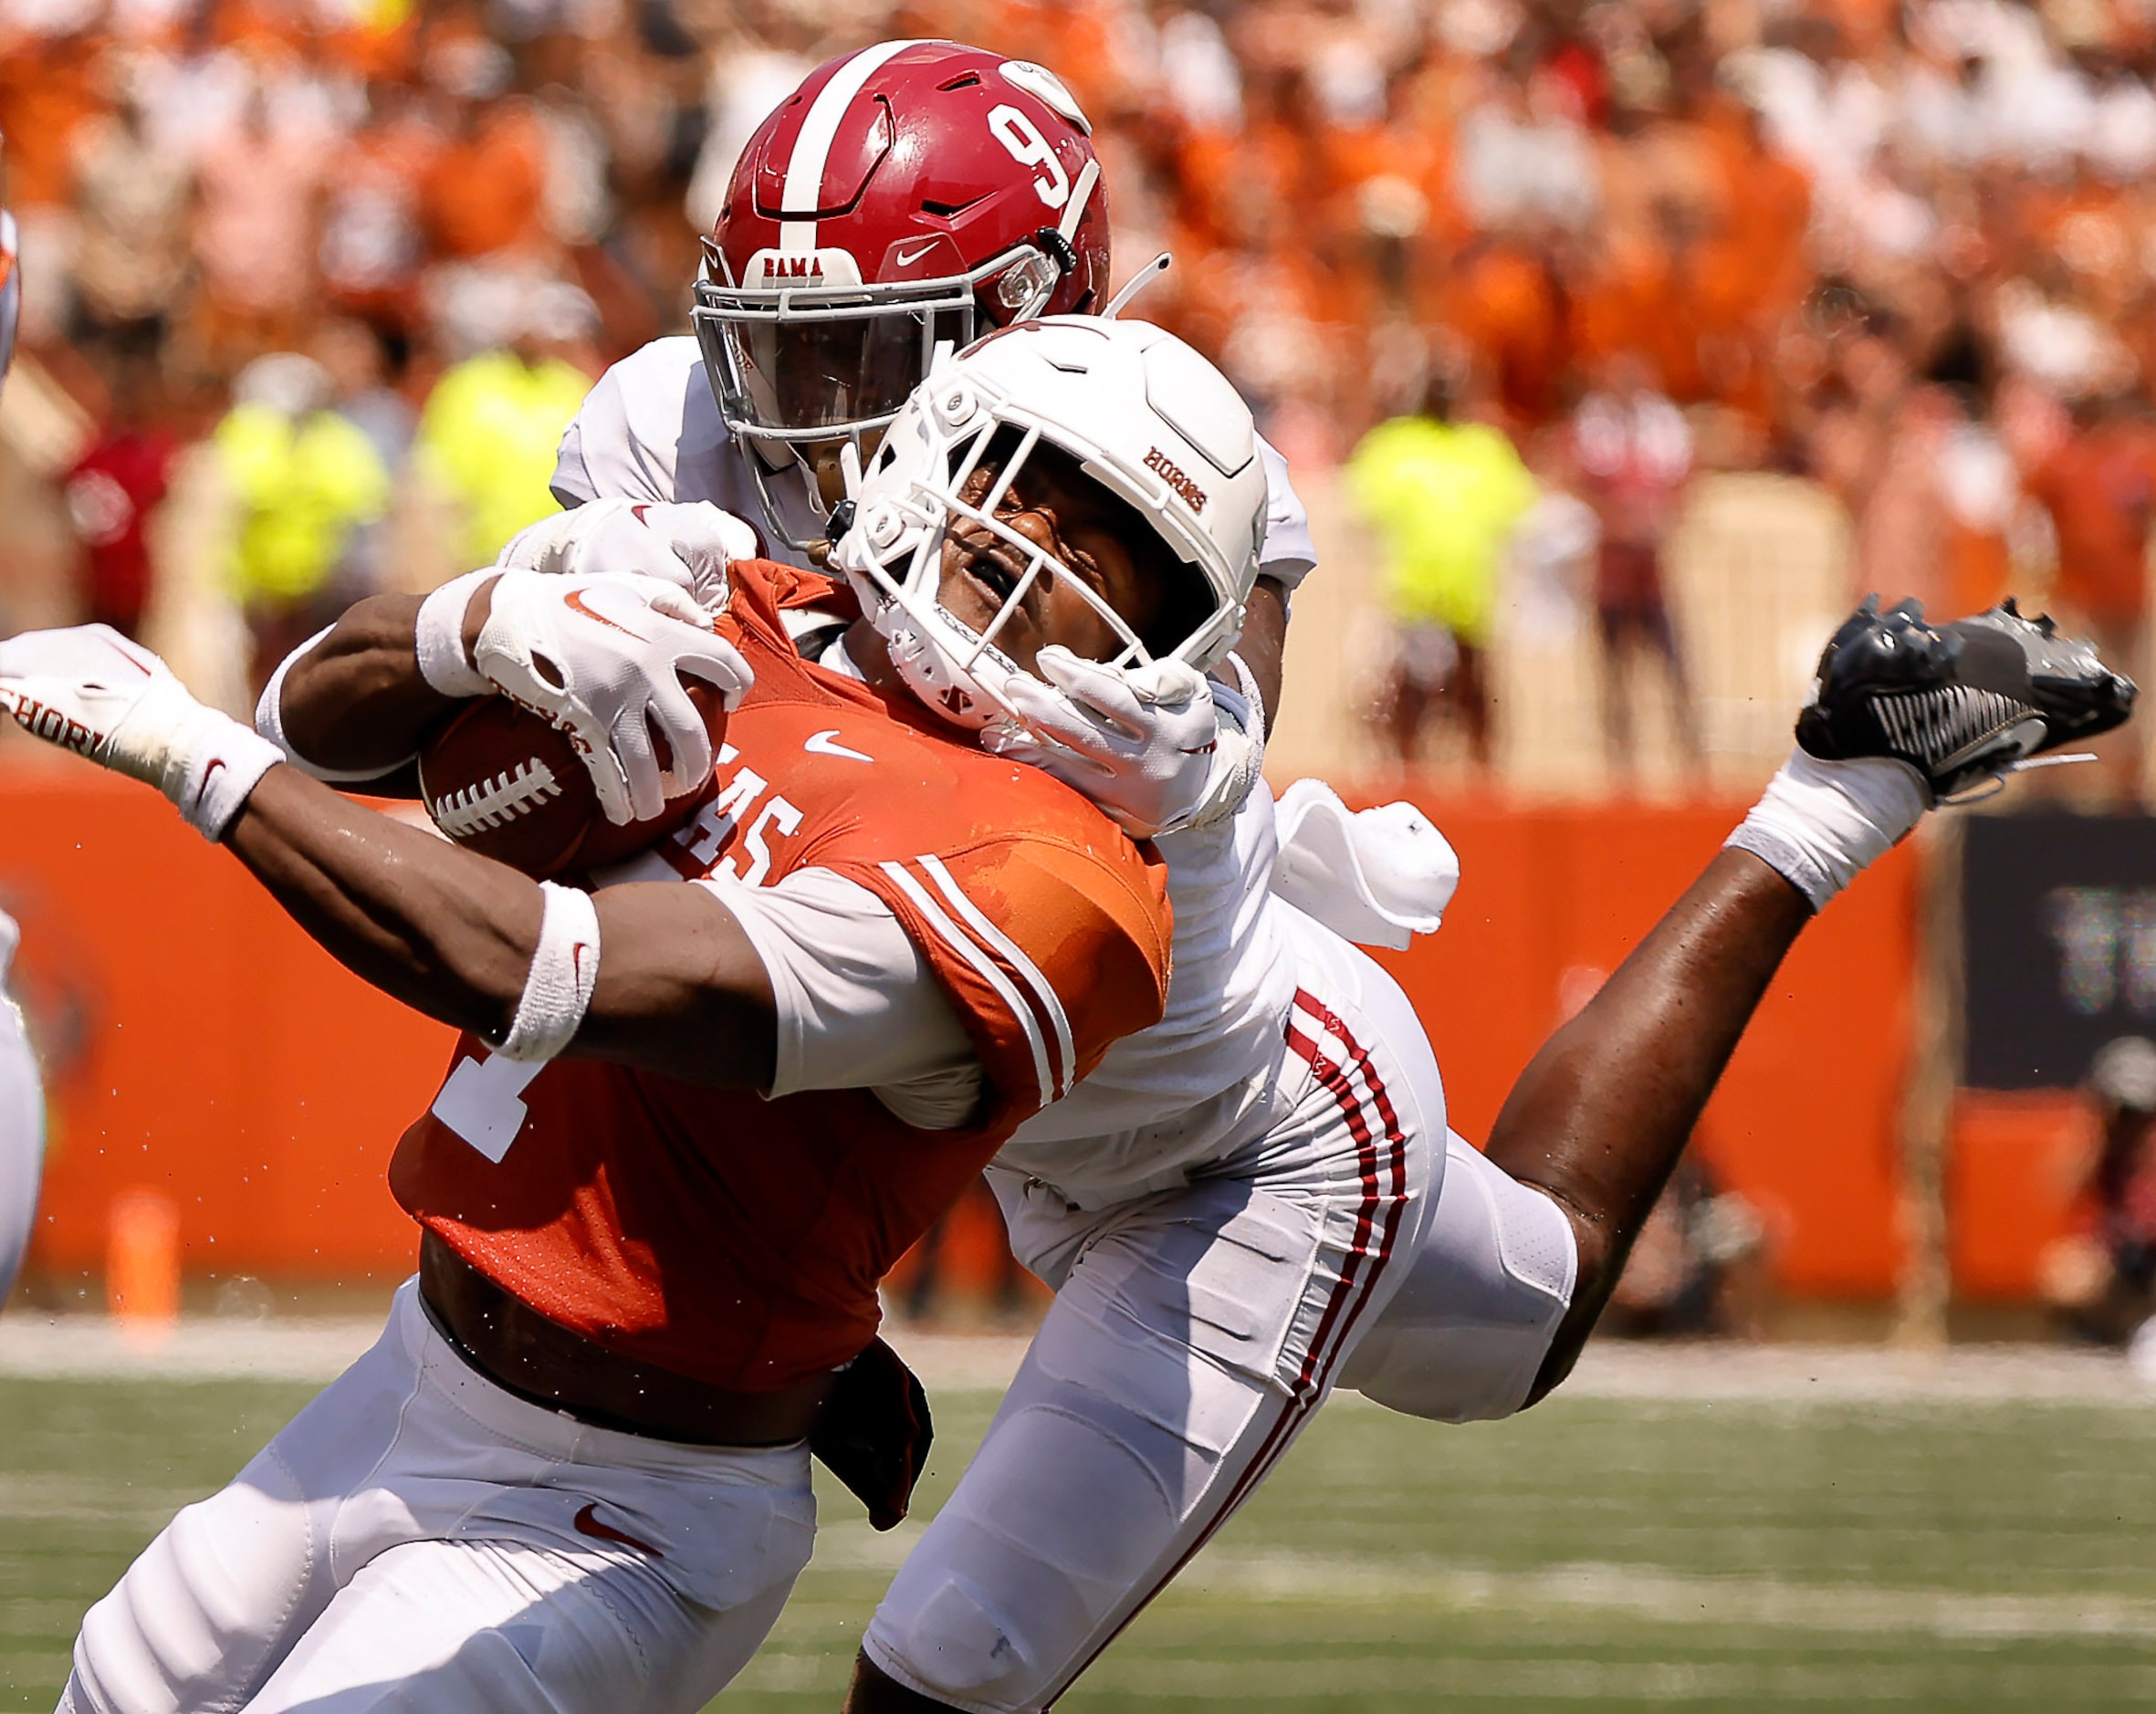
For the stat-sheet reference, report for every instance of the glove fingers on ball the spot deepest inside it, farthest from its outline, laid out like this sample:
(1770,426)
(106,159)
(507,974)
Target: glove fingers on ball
(643,781)
(677,723)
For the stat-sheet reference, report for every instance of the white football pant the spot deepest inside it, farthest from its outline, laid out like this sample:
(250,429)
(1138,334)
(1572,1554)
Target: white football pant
(22,1127)
(417,1539)
(1195,1332)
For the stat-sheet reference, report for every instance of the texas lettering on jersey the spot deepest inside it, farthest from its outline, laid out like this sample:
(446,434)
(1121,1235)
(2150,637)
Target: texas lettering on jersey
(741,1240)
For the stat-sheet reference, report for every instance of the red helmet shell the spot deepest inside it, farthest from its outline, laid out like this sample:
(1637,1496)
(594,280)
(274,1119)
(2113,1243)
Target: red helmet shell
(919,160)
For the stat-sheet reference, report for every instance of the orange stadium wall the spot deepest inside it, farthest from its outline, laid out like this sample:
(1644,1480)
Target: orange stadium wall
(225,1062)
(1804,1125)
(209,1053)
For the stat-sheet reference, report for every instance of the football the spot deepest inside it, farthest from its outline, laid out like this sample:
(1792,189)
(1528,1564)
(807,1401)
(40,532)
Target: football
(503,781)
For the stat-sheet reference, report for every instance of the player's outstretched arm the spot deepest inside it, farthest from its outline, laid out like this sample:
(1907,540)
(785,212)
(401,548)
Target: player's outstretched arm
(676,985)
(660,976)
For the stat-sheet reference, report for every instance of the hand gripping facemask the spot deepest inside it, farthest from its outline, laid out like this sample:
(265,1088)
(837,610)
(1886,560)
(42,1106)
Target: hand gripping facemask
(1142,413)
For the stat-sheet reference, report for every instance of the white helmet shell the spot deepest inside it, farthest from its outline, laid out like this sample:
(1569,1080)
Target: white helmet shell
(1143,414)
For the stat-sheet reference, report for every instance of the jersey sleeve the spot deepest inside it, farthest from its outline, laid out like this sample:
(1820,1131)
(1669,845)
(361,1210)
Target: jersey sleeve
(853,998)
(1049,951)
(1287,554)
(626,440)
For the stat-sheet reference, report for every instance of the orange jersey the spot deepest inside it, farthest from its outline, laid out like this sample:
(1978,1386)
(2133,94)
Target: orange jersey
(741,1240)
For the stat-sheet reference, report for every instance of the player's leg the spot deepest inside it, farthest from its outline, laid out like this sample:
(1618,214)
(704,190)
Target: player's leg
(687,1549)
(209,1609)
(550,1567)
(1467,1332)
(457,1625)
(1600,1117)
(1190,1343)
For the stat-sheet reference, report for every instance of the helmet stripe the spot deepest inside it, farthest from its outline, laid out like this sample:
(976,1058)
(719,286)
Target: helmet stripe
(804,194)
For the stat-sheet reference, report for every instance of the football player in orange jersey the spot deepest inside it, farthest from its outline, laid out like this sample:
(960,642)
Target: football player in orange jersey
(687,1128)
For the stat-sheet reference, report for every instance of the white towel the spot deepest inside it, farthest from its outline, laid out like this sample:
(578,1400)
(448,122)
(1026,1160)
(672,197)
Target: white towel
(1377,878)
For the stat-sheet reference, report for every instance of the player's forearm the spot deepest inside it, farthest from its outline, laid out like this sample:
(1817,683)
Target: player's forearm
(449,934)
(1265,639)
(1602,1114)
(357,700)
(680,987)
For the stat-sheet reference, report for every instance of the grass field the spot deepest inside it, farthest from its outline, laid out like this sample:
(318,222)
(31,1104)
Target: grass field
(1921,1548)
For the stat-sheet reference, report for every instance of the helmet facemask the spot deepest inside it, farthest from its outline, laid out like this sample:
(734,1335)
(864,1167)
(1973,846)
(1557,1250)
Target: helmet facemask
(915,496)
(800,369)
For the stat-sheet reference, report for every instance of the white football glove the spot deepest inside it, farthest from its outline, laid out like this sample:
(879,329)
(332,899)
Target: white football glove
(685,543)
(91,691)
(602,658)
(1148,744)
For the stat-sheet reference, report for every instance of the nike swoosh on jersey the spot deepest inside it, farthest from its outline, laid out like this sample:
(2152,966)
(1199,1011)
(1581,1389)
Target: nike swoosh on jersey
(587,1523)
(827,744)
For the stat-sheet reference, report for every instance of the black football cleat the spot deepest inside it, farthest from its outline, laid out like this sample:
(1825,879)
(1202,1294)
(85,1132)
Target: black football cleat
(1961,703)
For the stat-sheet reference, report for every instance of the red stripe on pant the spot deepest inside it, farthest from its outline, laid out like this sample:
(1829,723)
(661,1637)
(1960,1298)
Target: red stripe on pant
(1359,1057)
(1317,1366)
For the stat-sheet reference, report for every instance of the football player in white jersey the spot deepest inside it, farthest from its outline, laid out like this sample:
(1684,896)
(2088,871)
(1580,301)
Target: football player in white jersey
(1203,1308)
(1292,1214)
(21,1095)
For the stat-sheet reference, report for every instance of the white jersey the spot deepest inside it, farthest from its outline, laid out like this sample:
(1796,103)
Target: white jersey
(1192,1087)
(1196,1085)
(649,430)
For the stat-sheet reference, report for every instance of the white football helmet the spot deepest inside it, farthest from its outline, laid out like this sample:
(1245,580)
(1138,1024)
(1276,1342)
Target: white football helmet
(1144,416)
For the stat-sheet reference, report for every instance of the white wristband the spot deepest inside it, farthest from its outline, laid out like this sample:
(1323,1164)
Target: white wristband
(210,781)
(269,721)
(438,637)
(564,970)
(1819,823)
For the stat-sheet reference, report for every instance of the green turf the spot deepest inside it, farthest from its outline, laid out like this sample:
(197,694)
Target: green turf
(1590,1554)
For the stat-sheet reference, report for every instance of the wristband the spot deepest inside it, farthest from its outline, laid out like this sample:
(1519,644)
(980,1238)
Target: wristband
(269,721)
(564,970)
(213,783)
(438,638)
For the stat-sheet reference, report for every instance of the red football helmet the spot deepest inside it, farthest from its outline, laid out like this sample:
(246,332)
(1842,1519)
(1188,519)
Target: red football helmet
(911,194)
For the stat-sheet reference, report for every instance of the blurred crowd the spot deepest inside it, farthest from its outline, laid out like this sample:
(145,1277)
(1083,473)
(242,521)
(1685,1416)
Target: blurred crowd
(1565,257)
